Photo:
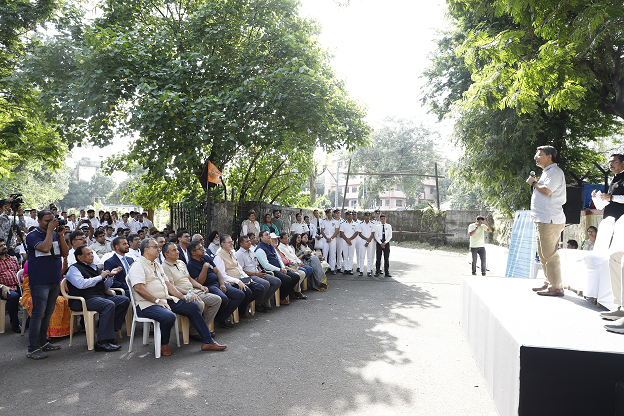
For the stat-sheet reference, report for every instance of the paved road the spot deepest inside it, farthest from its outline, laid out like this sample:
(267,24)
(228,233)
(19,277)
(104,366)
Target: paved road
(367,346)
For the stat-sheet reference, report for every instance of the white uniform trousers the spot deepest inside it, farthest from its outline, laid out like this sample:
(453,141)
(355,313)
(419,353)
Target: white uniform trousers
(356,243)
(339,244)
(369,253)
(329,252)
(347,254)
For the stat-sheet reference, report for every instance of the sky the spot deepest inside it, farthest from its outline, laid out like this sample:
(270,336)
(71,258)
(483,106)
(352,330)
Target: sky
(380,49)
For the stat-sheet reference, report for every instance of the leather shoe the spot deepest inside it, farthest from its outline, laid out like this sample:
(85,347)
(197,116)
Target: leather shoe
(361,274)
(17,329)
(106,347)
(164,350)
(299,295)
(551,292)
(537,289)
(111,341)
(369,273)
(284,302)
(387,275)
(213,347)
(224,324)
(244,316)
(261,309)
(334,272)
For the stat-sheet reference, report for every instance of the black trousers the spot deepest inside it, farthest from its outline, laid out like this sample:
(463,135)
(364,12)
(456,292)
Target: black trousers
(289,281)
(112,310)
(386,253)
(481,252)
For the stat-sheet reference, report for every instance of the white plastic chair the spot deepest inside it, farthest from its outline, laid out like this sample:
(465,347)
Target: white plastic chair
(146,326)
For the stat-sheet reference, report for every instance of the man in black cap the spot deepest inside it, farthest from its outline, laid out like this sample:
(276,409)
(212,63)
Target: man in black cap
(366,230)
(377,219)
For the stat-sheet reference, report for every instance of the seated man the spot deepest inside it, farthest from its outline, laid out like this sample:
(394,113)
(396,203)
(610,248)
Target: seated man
(119,259)
(155,298)
(9,286)
(247,259)
(178,275)
(270,260)
(100,246)
(85,280)
(290,259)
(202,269)
(227,263)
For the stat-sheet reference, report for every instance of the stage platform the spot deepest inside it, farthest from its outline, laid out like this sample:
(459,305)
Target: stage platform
(540,355)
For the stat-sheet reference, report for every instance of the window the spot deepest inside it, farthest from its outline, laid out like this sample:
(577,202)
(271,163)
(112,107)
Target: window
(353,202)
(387,202)
(339,164)
(354,189)
(399,203)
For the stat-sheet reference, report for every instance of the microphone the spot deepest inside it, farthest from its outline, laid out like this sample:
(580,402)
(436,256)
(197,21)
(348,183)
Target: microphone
(532,174)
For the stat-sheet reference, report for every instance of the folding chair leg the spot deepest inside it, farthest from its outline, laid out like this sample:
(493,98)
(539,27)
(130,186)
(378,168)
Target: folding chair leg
(252,306)
(235,319)
(132,326)
(2,315)
(211,326)
(129,317)
(184,323)
(277,298)
(177,331)
(157,339)
(90,324)
(72,320)
(146,331)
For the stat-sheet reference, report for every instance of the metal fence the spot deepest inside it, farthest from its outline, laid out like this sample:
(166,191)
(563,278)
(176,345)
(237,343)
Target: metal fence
(192,218)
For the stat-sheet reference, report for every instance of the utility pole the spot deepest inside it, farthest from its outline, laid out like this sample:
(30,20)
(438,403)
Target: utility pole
(337,183)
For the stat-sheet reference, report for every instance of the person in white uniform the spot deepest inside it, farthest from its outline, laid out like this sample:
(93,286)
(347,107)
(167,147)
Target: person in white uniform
(330,230)
(338,221)
(366,230)
(348,234)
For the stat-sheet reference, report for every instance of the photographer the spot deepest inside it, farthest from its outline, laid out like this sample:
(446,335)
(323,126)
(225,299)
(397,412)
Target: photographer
(6,222)
(45,252)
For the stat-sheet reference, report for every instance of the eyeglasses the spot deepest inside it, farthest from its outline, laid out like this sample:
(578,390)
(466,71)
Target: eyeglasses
(156,246)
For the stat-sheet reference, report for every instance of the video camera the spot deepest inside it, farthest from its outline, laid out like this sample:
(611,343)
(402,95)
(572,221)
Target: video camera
(17,201)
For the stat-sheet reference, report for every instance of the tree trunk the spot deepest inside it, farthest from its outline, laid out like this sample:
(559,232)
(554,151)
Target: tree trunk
(312,189)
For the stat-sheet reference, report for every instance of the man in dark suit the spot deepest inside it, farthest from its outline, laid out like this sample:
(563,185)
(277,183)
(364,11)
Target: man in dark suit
(119,259)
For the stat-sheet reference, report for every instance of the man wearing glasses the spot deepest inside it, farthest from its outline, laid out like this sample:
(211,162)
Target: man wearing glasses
(158,299)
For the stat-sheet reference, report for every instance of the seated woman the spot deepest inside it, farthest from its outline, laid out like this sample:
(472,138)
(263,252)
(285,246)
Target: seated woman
(589,243)
(250,225)
(305,254)
(59,323)
(268,225)
(214,242)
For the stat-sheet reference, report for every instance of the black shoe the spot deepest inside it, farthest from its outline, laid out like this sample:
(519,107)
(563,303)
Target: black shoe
(377,273)
(224,324)
(361,274)
(17,329)
(369,273)
(267,307)
(212,334)
(50,347)
(106,347)
(261,309)
(334,272)
(196,337)
(112,341)
(345,272)
(358,269)
(387,275)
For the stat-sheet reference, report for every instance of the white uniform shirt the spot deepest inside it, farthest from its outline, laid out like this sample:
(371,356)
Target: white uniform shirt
(349,228)
(379,232)
(315,227)
(299,227)
(329,228)
(366,229)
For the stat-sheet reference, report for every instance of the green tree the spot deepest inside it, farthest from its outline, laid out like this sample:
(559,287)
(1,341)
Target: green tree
(25,135)
(199,81)
(39,184)
(398,146)
(498,142)
(82,193)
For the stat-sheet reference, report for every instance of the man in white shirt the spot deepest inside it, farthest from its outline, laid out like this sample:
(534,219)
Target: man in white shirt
(316,237)
(330,230)
(348,234)
(95,222)
(134,241)
(338,221)
(32,220)
(366,230)
(72,222)
(476,230)
(298,227)
(123,222)
(100,246)
(356,240)
(383,236)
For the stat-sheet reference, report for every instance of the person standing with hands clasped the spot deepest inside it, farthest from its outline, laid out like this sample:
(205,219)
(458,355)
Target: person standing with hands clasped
(383,235)
(477,230)
(549,195)
(45,251)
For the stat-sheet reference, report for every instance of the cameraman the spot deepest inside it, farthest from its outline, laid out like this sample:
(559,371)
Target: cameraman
(6,221)
(46,248)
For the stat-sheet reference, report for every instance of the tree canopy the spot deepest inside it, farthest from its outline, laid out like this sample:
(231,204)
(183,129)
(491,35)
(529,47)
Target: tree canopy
(498,139)
(194,81)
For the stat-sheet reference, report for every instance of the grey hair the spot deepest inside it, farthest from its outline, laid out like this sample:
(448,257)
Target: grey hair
(145,244)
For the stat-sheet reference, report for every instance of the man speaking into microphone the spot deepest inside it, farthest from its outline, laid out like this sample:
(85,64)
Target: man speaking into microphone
(549,195)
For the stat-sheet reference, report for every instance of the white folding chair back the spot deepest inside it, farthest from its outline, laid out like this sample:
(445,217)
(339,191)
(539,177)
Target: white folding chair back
(605,232)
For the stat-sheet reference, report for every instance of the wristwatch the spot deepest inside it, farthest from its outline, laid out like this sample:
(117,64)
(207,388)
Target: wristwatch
(157,301)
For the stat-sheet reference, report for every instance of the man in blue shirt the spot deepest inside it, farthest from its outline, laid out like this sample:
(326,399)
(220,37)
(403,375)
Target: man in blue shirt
(202,269)
(45,250)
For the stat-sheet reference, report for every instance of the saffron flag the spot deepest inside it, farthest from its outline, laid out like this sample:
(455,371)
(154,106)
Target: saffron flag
(214,175)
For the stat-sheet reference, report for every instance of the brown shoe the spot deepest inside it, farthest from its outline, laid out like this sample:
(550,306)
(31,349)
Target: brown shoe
(299,295)
(245,316)
(551,292)
(164,350)
(537,289)
(284,302)
(213,347)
